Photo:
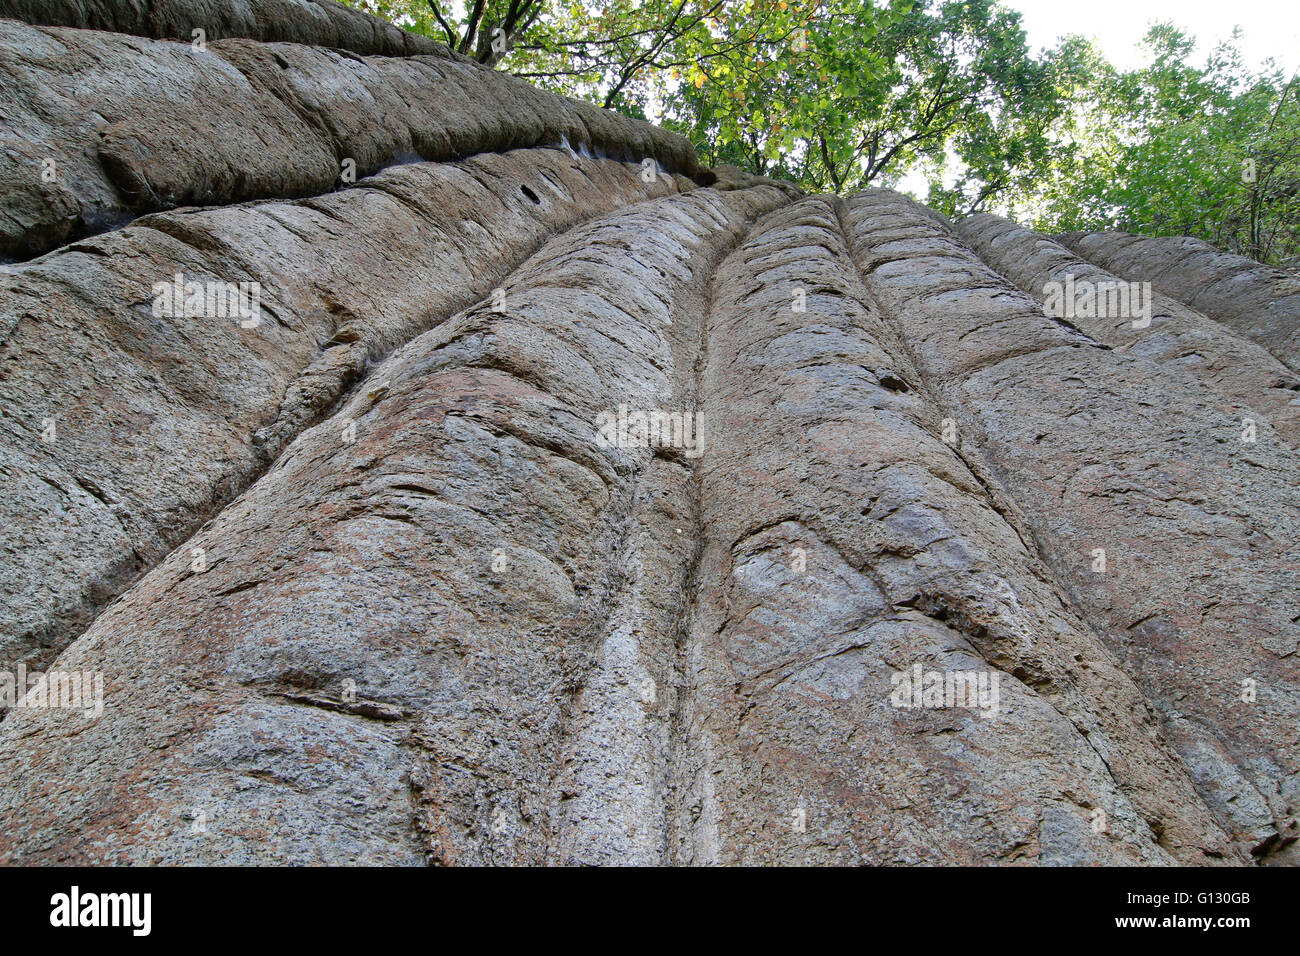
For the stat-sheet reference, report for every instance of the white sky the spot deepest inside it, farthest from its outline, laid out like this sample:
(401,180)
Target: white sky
(1270,27)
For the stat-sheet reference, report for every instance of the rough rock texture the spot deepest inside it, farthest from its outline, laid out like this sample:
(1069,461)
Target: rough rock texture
(1102,450)
(472,562)
(315,22)
(1253,383)
(1254,300)
(158,420)
(374,579)
(828,440)
(101,127)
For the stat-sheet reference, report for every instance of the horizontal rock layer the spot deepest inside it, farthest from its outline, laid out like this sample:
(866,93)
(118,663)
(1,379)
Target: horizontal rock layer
(321,23)
(101,127)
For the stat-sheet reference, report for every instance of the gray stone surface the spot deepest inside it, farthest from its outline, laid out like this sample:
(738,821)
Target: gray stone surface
(843,540)
(1256,301)
(369,580)
(119,120)
(473,563)
(1254,385)
(161,420)
(1102,449)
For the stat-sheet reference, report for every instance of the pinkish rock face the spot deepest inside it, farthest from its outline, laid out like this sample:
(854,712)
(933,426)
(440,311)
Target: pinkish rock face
(523,501)
(1257,302)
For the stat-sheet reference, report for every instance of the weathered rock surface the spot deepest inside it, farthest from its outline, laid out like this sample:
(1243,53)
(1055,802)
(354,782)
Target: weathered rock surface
(1104,452)
(1256,301)
(466,563)
(1255,386)
(843,540)
(101,127)
(316,22)
(377,578)
(160,419)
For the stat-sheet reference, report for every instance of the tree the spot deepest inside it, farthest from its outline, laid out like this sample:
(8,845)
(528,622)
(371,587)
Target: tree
(1176,149)
(484,30)
(600,49)
(620,54)
(840,94)
(835,95)
(870,90)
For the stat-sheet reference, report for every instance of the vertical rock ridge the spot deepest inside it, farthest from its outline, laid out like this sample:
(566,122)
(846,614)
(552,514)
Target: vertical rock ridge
(1254,300)
(1154,327)
(160,420)
(1171,533)
(421,624)
(802,757)
(619,790)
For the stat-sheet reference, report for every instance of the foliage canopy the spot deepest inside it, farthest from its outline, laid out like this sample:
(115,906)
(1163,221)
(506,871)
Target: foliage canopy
(841,94)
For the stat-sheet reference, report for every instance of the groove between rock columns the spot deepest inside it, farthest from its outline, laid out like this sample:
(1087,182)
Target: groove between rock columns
(1108,454)
(843,542)
(392,651)
(1186,345)
(161,420)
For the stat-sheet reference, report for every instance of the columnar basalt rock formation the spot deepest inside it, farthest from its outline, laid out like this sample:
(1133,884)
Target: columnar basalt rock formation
(1187,344)
(1256,301)
(563,502)
(120,126)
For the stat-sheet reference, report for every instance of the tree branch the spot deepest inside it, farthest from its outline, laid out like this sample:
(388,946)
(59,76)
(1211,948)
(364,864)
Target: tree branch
(446,27)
